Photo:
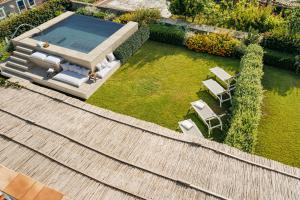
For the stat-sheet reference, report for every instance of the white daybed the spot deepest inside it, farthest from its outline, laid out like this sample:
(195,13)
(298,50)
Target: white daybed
(72,74)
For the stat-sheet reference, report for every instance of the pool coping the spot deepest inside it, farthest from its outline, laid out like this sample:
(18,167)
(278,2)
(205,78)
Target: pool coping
(88,60)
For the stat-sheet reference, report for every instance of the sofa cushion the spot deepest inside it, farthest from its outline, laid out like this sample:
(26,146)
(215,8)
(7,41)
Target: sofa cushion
(114,64)
(111,57)
(53,60)
(71,78)
(38,56)
(102,73)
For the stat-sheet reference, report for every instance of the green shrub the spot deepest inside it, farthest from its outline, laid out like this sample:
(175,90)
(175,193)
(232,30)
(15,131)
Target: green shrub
(3,51)
(167,34)
(279,60)
(94,12)
(247,101)
(215,44)
(142,16)
(35,17)
(241,15)
(130,46)
(280,40)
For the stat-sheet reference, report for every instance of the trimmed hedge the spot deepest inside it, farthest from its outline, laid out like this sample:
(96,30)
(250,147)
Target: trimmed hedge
(130,46)
(215,44)
(280,60)
(282,42)
(35,17)
(167,34)
(247,101)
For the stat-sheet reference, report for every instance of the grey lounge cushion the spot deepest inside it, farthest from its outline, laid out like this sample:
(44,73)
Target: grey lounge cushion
(71,78)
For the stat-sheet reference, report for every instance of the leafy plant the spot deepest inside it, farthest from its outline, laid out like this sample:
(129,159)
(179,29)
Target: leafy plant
(4,54)
(297,64)
(188,8)
(279,39)
(142,16)
(132,44)
(93,11)
(6,83)
(240,15)
(216,44)
(167,34)
(294,21)
(247,101)
(253,37)
(280,60)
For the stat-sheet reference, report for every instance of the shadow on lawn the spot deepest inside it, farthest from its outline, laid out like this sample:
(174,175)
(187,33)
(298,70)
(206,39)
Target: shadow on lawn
(280,80)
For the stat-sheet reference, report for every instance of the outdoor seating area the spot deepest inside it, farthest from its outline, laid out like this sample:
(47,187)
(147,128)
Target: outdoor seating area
(204,112)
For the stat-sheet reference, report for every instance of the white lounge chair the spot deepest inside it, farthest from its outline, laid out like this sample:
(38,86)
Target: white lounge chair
(189,127)
(224,77)
(207,115)
(217,91)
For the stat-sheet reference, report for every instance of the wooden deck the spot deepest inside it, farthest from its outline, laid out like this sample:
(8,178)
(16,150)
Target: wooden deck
(92,153)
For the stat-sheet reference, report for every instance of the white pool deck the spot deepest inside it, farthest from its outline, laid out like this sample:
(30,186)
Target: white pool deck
(39,75)
(88,60)
(21,66)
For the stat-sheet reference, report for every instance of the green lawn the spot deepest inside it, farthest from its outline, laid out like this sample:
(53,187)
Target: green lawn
(158,84)
(279,131)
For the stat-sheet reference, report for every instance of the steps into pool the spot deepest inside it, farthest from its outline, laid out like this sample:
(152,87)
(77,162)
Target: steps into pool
(18,63)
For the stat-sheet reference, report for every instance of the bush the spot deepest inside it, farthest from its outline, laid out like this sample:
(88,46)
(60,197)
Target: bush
(247,101)
(35,17)
(280,60)
(167,34)
(216,44)
(94,12)
(239,15)
(130,46)
(3,51)
(142,16)
(280,40)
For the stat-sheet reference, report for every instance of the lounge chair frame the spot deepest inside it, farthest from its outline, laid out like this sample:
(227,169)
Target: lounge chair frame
(207,115)
(225,77)
(218,91)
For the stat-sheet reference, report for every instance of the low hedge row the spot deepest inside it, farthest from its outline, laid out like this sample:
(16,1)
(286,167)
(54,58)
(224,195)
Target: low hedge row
(247,101)
(215,44)
(35,17)
(167,34)
(280,60)
(282,42)
(130,46)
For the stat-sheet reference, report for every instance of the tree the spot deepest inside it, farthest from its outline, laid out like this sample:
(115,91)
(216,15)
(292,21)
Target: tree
(188,8)
(294,21)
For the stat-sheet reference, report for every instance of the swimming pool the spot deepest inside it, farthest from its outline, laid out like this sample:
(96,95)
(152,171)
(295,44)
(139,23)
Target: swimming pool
(79,33)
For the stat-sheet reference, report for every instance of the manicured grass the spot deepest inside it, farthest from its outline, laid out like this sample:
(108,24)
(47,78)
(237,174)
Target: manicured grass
(158,84)
(279,131)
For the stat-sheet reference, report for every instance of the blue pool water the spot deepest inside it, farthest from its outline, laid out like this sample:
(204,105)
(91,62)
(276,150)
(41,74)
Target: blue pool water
(79,32)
